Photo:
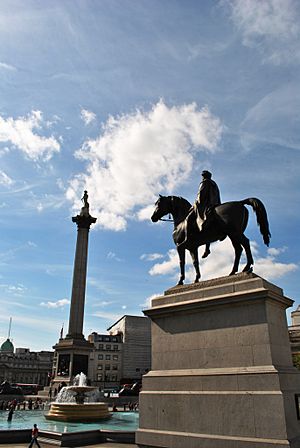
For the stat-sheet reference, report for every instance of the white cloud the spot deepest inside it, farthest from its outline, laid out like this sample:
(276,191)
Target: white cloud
(107,316)
(274,119)
(39,207)
(140,155)
(271,26)
(5,179)
(19,132)
(168,266)
(37,323)
(5,66)
(273,251)
(220,262)
(87,116)
(103,303)
(44,202)
(148,301)
(14,289)
(269,267)
(151,257)
(113,256)
(145,213)
(58,304)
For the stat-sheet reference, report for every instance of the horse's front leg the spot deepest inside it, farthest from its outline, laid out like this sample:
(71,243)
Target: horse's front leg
(195,259)
(181,254)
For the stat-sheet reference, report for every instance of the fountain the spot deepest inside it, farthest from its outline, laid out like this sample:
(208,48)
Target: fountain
(78,403)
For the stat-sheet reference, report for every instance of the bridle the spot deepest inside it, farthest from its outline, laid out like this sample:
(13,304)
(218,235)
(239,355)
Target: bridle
(169,219)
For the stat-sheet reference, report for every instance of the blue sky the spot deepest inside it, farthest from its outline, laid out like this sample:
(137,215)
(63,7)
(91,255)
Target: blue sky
(130,99)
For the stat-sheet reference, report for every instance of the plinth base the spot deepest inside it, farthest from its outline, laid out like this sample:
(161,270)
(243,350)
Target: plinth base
(71,412)
(222,370)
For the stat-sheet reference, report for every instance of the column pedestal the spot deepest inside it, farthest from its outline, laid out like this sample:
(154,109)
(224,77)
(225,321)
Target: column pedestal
(222,369)
(72,359)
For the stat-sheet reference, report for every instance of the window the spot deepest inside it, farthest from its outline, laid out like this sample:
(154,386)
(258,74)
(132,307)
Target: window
(108,347)
(114,339)
(106,338)
(116,347)
(107,357)
(115,357)
(100,367)
(101,347)
(113,377)
(114,367)
(99,377)
(107,366)
(100,356)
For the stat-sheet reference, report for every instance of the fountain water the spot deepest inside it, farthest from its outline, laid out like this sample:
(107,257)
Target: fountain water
(78,403)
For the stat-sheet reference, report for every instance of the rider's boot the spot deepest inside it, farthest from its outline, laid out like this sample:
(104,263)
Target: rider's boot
(207,251)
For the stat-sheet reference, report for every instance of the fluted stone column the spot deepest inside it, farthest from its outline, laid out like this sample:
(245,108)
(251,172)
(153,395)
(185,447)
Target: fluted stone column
(79,276)
(72,352)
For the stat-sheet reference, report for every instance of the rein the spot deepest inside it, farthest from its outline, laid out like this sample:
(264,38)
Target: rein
(167,220)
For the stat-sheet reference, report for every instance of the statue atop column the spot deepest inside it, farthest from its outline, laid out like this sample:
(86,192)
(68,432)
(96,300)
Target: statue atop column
(86,206)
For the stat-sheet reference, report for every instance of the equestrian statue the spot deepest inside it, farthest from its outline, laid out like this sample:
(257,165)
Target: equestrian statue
(207,221)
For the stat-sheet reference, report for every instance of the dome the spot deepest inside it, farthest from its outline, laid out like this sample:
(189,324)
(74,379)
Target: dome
(7,346)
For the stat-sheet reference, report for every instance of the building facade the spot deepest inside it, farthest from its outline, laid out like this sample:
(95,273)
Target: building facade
(105,364)
(123,355)
(24,366)
(294,334)
(135,332)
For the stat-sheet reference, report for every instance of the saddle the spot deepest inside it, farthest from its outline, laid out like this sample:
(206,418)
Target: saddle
(194,226)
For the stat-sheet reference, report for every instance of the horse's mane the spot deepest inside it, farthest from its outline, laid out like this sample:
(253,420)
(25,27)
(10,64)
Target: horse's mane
(183,201)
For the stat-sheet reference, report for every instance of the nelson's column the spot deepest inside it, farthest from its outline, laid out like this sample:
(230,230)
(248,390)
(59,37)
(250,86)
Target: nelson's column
(72,352)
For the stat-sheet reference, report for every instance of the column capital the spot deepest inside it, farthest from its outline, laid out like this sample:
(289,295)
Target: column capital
(84,221)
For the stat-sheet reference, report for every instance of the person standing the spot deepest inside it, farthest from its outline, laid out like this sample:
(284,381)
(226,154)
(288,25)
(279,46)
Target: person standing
(34,435)
(10,413)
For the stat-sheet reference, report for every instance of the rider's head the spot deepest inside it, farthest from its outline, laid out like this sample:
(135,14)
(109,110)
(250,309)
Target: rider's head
(206,174)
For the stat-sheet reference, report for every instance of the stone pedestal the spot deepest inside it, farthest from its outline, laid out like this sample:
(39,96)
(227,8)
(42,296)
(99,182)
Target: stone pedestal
(71,358)
(222,369)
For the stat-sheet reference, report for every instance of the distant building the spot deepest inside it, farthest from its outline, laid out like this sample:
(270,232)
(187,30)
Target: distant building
(24,366)
(105,366)
(123,355)
(136,336)
(294,334)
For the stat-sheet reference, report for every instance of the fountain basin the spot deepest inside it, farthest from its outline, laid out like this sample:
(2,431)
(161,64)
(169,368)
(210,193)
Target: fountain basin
(73,412)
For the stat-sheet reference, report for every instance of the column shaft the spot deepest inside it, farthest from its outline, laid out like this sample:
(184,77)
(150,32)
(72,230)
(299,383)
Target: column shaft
(79,284)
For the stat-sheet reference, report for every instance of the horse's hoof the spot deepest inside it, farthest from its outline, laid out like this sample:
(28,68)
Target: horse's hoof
(232,273)
(180,283)
(248,270)
(196,280)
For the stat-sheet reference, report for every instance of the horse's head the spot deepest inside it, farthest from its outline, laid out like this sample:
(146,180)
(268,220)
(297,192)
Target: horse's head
(162,208)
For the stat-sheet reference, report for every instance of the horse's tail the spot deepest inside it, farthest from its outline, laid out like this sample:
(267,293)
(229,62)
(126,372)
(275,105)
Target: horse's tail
(261,217)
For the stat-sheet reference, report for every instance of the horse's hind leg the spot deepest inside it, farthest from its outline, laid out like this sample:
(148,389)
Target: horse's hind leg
(195,259)
(246,245)
(181,254)
(238,251)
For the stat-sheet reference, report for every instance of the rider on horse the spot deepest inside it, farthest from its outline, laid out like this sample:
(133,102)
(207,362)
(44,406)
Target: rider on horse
(208,197)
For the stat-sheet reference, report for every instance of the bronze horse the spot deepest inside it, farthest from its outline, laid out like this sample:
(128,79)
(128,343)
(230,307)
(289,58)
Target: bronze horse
(228,219)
